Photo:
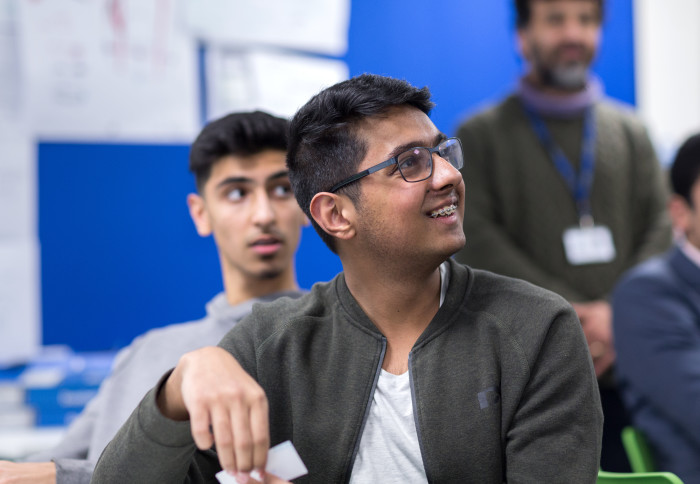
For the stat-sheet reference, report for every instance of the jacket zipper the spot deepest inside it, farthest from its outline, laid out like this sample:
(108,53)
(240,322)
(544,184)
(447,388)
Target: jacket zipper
(415,416)
(368,404)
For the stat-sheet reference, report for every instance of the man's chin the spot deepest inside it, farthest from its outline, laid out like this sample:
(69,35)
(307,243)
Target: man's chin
(269,274)
(571,78)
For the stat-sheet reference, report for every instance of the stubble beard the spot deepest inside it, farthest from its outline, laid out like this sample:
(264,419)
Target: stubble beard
(269,272)
(567,77)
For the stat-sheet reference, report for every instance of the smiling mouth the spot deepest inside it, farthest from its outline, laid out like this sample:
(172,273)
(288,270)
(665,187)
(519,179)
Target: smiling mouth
(444,211)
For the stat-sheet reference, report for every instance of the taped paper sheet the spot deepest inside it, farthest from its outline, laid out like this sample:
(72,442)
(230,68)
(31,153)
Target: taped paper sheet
(319,26)
(20,330)
(108,69)
(244,80)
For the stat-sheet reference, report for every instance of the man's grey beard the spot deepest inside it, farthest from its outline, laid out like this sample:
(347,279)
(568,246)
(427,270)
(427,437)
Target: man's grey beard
(568,78)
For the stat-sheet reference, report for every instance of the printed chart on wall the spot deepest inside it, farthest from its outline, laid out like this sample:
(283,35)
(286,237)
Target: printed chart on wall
(108,70)
(19,249)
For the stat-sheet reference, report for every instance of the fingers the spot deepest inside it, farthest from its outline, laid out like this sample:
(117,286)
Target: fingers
(226,408)
(242,445)
(200,425)
(249,420)
(224,437)
(260,432)
(272,479)
(267,479)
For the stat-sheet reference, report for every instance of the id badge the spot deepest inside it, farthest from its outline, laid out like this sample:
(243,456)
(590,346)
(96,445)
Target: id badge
(589,245)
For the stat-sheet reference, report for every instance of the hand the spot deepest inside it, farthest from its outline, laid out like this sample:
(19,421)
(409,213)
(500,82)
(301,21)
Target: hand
(210,387)
(29,472)
(596,320)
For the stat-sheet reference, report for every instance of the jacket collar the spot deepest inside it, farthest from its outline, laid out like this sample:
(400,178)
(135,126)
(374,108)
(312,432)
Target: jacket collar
(686,269)
(460,279)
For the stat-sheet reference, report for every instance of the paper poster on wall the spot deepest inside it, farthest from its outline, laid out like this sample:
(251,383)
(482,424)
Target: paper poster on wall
(18,190)
(242,80)
(311,25)
(20,324)
(10,85)
(108,69)
(667,65)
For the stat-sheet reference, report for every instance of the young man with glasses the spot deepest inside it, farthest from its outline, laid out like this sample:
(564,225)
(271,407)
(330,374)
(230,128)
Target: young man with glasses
(407,367)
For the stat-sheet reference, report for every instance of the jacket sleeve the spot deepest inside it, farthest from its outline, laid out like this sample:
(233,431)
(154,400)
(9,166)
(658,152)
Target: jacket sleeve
(488,245)
(658,348)
(70,455)
(152,448)
(556,431)
(149,447)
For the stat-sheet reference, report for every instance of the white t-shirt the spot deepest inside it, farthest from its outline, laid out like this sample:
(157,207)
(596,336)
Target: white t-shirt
(389,451)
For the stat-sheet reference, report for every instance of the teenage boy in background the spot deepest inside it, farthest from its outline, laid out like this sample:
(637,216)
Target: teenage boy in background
(245,201)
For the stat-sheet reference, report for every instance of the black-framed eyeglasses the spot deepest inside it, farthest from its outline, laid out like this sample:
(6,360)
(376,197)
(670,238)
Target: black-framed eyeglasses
(415,164)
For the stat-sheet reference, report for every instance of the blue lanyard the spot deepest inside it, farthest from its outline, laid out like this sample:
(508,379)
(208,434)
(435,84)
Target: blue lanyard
(579,183)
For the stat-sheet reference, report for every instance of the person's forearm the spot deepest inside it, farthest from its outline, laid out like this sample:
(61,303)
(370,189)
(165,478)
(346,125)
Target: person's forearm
(27,472)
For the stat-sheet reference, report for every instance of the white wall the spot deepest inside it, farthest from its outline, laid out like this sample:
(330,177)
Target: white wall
(667,50)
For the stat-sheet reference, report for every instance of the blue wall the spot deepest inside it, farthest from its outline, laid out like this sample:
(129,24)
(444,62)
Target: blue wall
(119,253)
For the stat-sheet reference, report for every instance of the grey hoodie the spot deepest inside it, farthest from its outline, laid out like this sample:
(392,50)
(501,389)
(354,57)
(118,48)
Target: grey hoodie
(136,369)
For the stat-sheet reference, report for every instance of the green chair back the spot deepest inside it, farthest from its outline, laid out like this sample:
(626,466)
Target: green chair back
(637,450)
(637,478)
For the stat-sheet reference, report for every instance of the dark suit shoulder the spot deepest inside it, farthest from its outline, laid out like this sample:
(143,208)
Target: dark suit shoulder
(655,272)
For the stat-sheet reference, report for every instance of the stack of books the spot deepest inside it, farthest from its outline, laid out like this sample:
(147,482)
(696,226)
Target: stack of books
(53,388)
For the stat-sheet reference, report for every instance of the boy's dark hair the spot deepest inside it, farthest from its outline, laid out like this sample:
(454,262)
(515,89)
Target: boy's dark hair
(523,12)
(239,134)
(685,170)
(324,145)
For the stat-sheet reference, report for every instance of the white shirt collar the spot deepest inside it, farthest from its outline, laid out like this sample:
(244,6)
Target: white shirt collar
(690,251)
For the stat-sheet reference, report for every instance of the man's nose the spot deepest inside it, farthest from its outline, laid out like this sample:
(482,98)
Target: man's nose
(573,29)
(263,210)
(444,174)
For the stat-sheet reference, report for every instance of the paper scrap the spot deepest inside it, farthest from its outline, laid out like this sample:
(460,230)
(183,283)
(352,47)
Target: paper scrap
(282,460)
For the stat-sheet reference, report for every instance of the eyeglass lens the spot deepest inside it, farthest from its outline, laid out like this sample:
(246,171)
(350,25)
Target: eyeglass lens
(416,164)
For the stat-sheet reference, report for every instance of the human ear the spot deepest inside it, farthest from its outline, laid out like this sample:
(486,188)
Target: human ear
(198,212)
(333,214)
(521,44)
(680,213)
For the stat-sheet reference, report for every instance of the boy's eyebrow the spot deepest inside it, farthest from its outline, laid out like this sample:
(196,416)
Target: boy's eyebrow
(279,174)
(233,179)
(413,144)
(243,180)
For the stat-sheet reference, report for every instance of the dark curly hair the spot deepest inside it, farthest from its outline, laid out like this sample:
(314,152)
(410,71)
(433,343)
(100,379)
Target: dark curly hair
(324,146)
(241,134)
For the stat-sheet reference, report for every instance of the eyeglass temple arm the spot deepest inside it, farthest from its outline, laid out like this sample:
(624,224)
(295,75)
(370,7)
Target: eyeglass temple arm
(362,174)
